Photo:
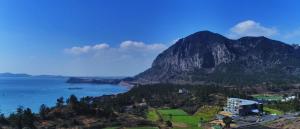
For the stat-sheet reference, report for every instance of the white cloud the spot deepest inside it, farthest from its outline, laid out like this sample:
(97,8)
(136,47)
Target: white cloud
(101,46)
(124,46)
(132,44)
(128,58)
(251,28)
(86,49)
(140,45)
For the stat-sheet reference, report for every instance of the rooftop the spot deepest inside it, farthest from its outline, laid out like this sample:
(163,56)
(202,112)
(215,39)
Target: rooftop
(244,101)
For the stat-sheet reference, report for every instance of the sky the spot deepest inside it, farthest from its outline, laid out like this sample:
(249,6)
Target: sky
(123,37)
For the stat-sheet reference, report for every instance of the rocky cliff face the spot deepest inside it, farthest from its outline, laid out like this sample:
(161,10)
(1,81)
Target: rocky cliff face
(206,57)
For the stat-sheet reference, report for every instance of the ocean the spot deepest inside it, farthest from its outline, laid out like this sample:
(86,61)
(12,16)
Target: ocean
(32,92)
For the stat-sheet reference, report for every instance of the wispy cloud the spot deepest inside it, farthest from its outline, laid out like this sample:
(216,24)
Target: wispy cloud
(251,28)
(128,58)
(86,49)
(140,45)
(128,45)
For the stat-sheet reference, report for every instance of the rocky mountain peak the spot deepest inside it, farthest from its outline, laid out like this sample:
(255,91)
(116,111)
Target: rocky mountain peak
(207,57)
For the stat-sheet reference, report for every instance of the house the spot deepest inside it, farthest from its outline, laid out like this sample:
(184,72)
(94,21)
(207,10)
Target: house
(183,91)
(243,107)
(289,98)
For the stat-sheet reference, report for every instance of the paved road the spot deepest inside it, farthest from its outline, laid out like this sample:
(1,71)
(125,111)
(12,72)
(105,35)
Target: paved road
(268,118)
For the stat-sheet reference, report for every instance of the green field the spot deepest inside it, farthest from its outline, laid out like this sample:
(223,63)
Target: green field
(174,112)
(152,115)
(268,97)
(181,118)
(272,111)
(208,113)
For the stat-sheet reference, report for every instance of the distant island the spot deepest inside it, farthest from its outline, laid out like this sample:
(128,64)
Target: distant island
(93,80)
(14,75)
(114,80)
(7,74)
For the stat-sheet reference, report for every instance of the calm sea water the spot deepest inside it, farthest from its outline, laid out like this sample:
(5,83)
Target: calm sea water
(31,92)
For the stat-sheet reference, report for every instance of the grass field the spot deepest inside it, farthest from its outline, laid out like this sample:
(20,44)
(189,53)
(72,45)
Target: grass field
(174,112)
(152,115)
(207,112)
(181,118)
(272,111)
(268,97)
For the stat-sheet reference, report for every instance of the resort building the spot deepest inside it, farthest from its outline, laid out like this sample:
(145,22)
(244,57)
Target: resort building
(289,98)
(243,107)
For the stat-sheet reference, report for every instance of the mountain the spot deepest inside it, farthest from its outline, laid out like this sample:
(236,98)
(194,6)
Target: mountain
(14,75)
(28,75)
(207,57)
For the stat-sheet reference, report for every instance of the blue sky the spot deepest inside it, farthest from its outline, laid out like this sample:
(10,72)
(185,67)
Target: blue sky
(122,37)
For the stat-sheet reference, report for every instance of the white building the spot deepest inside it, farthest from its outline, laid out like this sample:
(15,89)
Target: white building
(238,106)
(289,98)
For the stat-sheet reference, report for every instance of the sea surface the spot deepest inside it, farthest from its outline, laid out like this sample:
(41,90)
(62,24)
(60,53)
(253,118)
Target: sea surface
(32,92)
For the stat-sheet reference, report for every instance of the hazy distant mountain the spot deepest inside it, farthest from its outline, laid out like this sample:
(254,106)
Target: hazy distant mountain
(206,57)
(14,75)
(28,75)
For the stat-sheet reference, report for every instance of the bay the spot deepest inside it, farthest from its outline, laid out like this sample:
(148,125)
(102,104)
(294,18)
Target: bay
(32,92)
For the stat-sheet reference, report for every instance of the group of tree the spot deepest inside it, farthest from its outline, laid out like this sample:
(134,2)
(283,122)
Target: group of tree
(22,118)
(167,95)
(288,106)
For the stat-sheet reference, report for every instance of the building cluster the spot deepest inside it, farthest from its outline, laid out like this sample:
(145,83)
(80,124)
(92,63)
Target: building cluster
(289,98)
(243,107)
(236,107)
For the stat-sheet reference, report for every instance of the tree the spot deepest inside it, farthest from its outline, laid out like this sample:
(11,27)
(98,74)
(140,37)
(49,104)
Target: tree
(73,102)
(28,118)
(201,121)
(44,110)
(170,117)
(60,102)
(169,124)
(22,118)
(227,121)
(15,121)
(3,120)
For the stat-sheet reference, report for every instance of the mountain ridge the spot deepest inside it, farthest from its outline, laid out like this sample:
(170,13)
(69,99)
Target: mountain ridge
(207,57)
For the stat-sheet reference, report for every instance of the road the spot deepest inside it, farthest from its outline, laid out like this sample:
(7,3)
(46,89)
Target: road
(268,118)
